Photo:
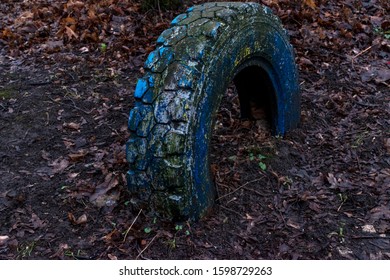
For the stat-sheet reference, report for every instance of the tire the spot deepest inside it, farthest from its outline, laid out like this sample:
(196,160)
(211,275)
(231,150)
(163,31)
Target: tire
(177,99)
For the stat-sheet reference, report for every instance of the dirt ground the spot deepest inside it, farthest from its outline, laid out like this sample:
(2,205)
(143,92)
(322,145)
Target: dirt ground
(321,192)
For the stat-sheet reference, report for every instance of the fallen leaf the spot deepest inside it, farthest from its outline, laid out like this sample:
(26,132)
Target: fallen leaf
(59,165)
(36,221)
(368,229)
(305,61)
(114,235)
(72,125)
(380,212)
(80,220)
(70,33)
(3,239)
(310,3)
(110,182)
(332,180)
(112,257)
(53,46)
(293,224)
(78,156)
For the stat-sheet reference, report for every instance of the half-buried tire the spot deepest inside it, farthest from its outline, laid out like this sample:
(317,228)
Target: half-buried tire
(204,50)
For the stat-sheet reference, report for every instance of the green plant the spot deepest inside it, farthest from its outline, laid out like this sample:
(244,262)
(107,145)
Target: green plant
(343,198)
(178,228)
(359,139)
(69,253)
(340,233)
(25,250)
(147,230)
(103,47)
(381,32)
(260,158)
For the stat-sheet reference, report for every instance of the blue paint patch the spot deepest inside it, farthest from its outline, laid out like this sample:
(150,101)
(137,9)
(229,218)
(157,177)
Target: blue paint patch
(151,81)
(134,119)
(205,191)
(166,54)
(152,59)
(161,40)
(177,19)
(214,30)
(185,82)
(190,9)
(141,88)
(149,96)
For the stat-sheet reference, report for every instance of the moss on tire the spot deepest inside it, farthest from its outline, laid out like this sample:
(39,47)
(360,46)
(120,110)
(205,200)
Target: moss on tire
(185,78)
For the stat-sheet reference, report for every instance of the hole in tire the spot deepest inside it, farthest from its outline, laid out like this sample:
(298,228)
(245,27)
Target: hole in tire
(240,141)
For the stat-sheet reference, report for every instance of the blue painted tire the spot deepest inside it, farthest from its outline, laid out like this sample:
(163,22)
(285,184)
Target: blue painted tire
(177,99)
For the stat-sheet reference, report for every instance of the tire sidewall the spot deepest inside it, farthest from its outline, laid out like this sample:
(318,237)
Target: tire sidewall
(240,45)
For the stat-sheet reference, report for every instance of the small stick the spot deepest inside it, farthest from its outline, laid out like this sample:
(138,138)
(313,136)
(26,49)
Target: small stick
(240,187)
(146,247)
(362,52)
(128,230)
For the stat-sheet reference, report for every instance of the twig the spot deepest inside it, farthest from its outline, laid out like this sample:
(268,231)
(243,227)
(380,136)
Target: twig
(26,133)
(128,230)
(254,191)
(159,10)
(341,205)
(230,210)
(240,187)
(147,246)
(74,105)
(362,52)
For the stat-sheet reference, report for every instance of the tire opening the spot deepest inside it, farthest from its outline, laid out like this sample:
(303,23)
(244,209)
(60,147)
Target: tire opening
(242,130)
(256,94)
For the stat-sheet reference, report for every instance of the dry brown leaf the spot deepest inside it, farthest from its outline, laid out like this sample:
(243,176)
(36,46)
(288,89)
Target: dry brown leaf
(112,236)
(36,221)
(112,257)
(23,18)
(72,125)
(3,239)
(80,155)
(59,165)
(69,21)
(70,33)
(80,220)
(293,224)
(310,3)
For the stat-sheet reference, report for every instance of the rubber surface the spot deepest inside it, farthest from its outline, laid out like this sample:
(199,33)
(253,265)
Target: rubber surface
(177,99)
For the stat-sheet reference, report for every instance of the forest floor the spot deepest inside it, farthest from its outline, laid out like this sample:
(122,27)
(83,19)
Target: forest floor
(67,75)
